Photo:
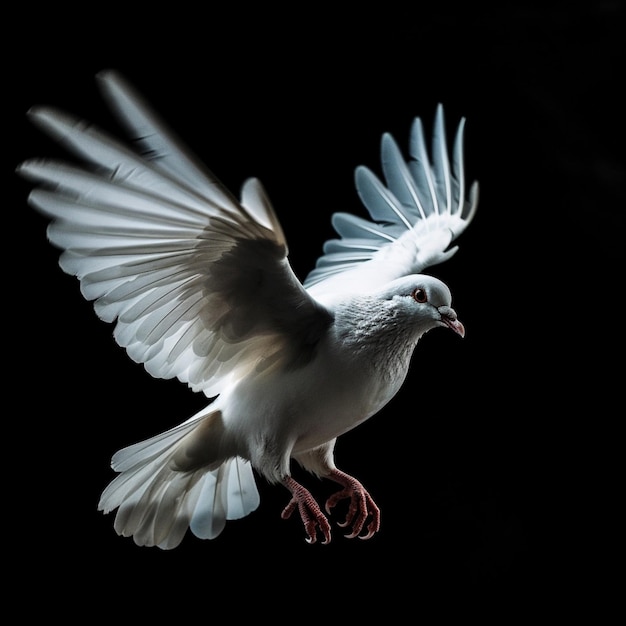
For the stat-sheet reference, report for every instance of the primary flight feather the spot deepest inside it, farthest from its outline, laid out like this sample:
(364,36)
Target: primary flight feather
(199,287)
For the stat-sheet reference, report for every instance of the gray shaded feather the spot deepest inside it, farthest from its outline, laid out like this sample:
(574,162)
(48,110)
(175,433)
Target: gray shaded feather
(413,213)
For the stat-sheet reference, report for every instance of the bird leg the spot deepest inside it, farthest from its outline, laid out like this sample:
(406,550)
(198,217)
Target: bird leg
(361,505)
(310,512)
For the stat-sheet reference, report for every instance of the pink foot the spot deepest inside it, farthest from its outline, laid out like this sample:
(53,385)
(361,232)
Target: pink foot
(361,505)
(310,512)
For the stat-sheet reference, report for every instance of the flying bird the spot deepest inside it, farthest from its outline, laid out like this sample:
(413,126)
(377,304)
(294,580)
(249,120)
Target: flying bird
(199,287)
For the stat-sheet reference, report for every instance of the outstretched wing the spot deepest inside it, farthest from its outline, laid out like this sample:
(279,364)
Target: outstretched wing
(415,216)
(197,282)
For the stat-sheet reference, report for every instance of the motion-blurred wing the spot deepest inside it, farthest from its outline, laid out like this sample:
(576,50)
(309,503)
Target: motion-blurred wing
(197,282)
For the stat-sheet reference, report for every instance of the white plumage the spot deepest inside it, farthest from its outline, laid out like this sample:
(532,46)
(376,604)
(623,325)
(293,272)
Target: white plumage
(199,287)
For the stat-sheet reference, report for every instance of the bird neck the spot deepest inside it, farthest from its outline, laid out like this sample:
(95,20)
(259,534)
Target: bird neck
(376,330)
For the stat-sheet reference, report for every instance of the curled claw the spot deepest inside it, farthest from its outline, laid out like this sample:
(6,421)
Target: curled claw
(310,513)
(361,506)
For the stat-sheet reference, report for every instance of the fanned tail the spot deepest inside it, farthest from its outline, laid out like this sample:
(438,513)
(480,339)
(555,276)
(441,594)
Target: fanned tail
(157,503)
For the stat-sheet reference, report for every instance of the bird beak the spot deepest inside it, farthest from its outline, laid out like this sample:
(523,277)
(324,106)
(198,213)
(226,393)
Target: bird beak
(448,317)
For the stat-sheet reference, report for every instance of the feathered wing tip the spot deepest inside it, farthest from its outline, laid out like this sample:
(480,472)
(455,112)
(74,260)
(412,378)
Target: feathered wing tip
(141,230)
(157,504)
(158,143)
(169,155)
(424,197)
(428,187)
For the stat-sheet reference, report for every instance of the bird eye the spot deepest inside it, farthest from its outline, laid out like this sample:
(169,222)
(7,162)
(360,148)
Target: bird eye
(419,295)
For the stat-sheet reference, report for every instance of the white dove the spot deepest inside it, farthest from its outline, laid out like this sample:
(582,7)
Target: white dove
(200,288)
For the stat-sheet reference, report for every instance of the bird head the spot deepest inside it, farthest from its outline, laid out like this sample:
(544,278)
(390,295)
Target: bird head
(425,300)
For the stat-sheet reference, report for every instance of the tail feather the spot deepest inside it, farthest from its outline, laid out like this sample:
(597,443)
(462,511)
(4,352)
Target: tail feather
(227,493)
(138,453)
(156,503)
(209,515)
(160,511)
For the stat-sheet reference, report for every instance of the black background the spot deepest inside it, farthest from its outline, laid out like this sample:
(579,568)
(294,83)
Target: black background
(493,466)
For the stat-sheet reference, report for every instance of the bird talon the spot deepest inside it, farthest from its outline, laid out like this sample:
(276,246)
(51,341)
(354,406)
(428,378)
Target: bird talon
(310,513)
(361,506)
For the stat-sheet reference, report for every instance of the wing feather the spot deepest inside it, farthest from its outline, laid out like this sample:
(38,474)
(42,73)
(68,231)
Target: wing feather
(197,283)
(400,181)
(415,215)
(159,145)
(441,166)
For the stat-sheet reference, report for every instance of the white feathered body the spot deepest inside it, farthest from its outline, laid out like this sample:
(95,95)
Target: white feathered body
(199,286)
(265,419)
(352,374)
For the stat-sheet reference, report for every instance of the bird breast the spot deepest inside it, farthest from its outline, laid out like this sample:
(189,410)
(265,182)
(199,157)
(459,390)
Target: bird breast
(355,370)
(349,380)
